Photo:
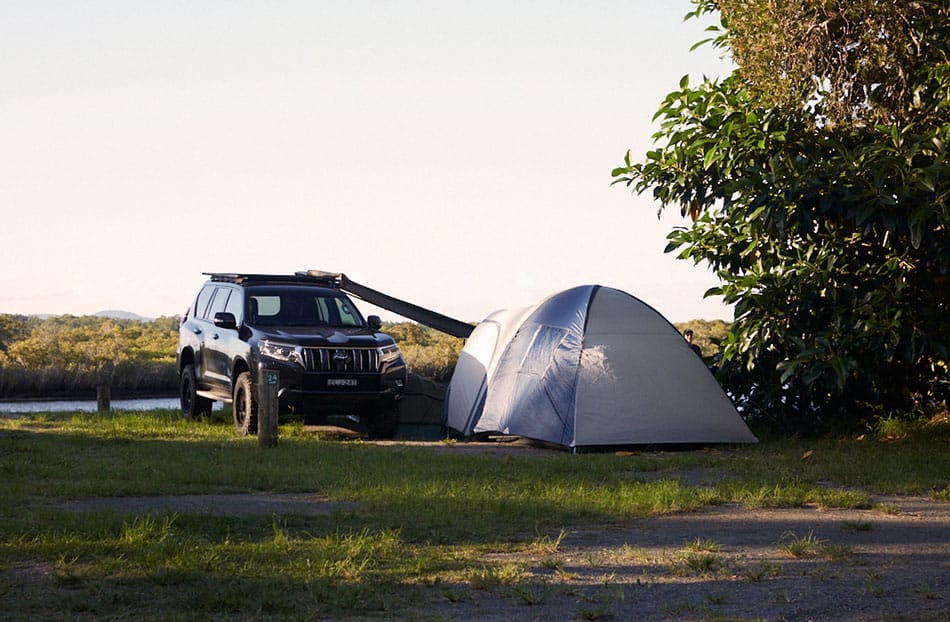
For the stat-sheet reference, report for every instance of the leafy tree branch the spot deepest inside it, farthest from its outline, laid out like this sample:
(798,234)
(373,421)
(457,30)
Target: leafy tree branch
(824,211)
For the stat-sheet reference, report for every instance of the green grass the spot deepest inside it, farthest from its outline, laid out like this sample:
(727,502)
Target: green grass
(422,527)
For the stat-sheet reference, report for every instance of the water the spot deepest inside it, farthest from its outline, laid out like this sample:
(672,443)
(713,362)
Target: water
(47,406)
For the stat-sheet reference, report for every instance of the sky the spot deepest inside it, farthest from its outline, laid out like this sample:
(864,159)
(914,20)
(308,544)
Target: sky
(453,154)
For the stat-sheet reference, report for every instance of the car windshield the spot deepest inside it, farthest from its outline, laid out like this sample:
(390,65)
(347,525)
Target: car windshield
(300,306)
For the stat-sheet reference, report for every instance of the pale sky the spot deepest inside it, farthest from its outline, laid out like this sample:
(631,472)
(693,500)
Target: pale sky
(454,154)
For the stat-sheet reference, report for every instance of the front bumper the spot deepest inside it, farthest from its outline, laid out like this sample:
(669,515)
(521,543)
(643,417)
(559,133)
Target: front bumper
(305,392)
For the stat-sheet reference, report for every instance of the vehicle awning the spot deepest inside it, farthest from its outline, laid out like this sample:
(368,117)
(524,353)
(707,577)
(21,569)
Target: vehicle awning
(429,318)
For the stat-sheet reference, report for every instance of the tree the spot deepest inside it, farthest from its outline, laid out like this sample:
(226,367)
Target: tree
(77,346)
(866,61)
(707,334)
(428,352)
(13,328)
(818,191)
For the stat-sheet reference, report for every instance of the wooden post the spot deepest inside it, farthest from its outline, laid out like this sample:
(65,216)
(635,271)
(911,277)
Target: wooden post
(267,384)
(104,376)
(103,396)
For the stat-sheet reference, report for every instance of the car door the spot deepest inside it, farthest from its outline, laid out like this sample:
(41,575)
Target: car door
(197,325)
(229,342)
(217,344)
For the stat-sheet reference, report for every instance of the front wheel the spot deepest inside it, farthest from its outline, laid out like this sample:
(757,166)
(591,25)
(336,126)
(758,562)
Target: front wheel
(193,405)
(244,406)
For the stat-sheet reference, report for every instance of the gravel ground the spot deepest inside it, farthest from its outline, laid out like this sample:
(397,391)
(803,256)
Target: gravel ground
(721,563)
(864,565)
(724,562)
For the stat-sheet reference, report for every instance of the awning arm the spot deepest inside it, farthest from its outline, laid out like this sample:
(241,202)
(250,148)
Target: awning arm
(429,318)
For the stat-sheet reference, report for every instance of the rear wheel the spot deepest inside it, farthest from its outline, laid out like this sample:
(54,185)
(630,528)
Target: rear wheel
(192,404)
(244,405)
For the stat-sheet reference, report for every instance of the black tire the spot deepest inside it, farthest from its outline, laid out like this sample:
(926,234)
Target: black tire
(193,405)
(384,423)
(244,406)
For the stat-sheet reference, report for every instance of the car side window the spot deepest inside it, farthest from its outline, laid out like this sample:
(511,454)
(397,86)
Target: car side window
(235,305)
(204,297)
(219,302)
(323,311)
(349,316)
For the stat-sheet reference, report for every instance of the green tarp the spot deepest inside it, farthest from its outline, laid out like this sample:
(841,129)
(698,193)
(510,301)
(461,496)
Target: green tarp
(420,413)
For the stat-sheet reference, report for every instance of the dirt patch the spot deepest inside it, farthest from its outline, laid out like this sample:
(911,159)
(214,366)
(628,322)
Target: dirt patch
(501,446)
(215,505)
(724,562)
(732,563)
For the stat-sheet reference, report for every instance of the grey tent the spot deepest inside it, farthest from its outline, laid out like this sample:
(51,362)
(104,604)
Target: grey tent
(589,366)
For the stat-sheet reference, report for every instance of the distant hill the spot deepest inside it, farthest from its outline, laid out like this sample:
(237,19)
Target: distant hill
(116,314)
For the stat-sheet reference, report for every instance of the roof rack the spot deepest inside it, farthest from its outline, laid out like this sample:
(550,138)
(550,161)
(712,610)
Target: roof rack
(326,280)
(340,281)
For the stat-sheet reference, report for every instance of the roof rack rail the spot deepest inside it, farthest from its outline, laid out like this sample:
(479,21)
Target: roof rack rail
(299,277)
(338,280)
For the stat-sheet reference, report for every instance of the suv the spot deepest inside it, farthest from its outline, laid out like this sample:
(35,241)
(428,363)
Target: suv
(330,361)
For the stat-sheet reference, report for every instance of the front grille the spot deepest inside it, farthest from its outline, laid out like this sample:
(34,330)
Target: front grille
(341,359)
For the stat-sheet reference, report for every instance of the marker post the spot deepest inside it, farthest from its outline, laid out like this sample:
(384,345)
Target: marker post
(267,385)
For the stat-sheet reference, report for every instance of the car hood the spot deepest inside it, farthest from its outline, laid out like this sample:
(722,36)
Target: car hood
(327,336)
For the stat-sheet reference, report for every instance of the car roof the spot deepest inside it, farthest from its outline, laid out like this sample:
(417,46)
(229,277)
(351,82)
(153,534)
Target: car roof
(275,279)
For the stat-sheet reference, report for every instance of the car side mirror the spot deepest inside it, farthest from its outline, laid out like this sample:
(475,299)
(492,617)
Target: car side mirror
(374,322)
(223,319)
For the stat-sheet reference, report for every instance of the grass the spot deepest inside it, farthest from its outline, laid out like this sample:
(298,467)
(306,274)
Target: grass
(811,546)
(802,546)
(856,526)
(761,571)
(427,526)
(700,556)
(700,563)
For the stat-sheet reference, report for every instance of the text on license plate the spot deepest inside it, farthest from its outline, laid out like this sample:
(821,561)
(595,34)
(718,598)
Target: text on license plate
(341,382)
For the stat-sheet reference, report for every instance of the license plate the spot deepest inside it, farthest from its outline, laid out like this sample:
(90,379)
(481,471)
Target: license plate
(341,382)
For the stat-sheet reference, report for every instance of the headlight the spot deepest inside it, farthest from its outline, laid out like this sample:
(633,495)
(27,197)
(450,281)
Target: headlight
(280,351)
(388,353)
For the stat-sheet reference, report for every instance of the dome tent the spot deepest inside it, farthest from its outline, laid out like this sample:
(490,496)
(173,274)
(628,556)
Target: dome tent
(589,366)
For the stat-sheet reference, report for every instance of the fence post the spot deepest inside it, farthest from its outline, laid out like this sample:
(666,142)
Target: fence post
(267,384)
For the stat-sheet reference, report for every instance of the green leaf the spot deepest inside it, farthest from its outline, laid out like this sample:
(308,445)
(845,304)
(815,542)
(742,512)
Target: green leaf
(916,234)
(788,369)
(700,43)
(841,369)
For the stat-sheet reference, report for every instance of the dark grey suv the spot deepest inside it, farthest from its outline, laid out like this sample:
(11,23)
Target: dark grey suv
(330,360)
